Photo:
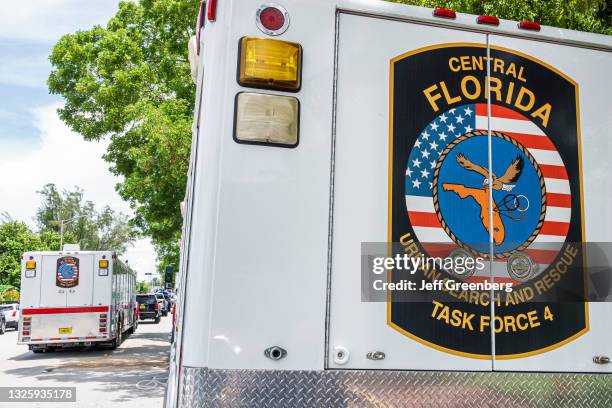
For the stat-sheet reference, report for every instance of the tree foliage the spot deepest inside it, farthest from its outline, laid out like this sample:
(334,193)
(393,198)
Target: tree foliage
(91,229)
(129,82)
(15,239)
(585,15)
(142,287)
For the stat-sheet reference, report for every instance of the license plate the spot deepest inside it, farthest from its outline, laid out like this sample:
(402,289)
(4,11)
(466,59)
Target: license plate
(143,307)
(65,330)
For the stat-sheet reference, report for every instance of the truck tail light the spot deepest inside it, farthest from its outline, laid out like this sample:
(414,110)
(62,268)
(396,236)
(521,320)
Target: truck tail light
(272,19)
(444,13)
(102,329)
(103,267)
(489,20)
(211,12)
(529,25)
(14,313)
(266,119)
(30,265)
(156,306)
(25,332)
(270,64)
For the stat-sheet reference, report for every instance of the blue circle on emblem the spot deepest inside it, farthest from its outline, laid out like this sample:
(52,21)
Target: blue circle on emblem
(462,197)
(67,271)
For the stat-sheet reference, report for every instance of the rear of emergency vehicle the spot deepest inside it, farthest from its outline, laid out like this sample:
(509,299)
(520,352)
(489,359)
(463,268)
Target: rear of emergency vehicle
(75,298)
(322,126)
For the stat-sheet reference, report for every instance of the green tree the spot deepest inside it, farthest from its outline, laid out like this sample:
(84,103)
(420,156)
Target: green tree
(92,230)
(142,287)
(15,239)
(585,15)
(129,82)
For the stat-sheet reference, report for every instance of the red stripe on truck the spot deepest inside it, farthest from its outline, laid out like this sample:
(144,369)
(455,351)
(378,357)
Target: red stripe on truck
(60,310)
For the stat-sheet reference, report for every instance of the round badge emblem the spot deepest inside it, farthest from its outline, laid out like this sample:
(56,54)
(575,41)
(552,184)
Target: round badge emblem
(447,186)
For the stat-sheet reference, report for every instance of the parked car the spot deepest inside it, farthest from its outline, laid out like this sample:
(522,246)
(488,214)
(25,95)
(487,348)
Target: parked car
(148,307)
(2,323)
(173,323)
(11,314)
(169,301)
(163,303)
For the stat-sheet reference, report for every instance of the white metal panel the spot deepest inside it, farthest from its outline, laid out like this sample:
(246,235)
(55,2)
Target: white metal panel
(258,262)
(81,294)
(50,294)
(102,285)
(366,46)
(29,294)
(47,326)
(591,70)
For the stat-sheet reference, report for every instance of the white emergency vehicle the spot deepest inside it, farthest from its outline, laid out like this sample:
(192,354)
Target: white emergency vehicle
(322,126)
(75,298)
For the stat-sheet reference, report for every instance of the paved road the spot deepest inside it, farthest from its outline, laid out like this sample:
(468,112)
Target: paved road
(103,378)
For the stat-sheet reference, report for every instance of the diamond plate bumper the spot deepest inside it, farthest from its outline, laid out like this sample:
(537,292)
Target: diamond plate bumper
(202,387)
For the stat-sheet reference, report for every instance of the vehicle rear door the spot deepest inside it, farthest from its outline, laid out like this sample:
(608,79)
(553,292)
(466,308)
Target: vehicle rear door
(559,210)
(81,294)
(51,294)
(396,82)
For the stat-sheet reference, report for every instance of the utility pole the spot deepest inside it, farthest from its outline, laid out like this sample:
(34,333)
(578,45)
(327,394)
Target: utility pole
(64,222)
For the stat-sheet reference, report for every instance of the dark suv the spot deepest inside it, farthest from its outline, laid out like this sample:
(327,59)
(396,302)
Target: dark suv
(148,308)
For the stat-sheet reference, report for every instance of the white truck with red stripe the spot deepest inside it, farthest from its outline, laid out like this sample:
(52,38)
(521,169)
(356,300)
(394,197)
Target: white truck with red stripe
(75,298)
(336,140)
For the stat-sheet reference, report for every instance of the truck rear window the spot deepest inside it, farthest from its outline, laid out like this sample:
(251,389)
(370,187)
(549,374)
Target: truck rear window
(146,299)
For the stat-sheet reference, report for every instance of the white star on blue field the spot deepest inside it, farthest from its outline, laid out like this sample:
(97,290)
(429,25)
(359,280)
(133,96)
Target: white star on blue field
(430,144)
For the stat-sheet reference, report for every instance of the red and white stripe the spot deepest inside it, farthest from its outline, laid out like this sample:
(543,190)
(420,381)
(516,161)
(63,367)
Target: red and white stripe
(549,241)
(558,193)
(68,339)
(64,310)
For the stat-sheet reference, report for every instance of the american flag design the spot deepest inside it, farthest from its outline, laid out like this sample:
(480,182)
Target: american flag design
(67,275)
(542,192)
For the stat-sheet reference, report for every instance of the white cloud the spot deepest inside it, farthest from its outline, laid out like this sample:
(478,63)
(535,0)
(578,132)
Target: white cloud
(47,20)
(141,257)
(61,157)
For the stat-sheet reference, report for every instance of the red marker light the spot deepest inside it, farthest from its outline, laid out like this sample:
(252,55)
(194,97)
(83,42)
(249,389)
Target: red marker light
(489,20)
(529,25)
(211,13)
(272,18)
(444,13)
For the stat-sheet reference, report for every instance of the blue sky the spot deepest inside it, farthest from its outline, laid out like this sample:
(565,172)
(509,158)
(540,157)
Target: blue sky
(32,137)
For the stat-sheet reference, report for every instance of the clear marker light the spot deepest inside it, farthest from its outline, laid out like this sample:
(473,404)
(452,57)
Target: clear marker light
(266,119)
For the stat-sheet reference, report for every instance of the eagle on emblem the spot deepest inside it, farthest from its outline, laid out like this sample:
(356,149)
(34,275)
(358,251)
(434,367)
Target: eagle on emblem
(506,182)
